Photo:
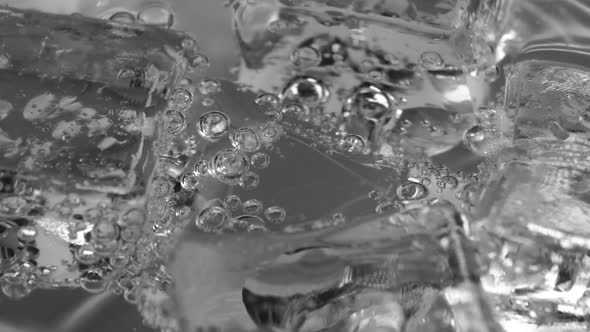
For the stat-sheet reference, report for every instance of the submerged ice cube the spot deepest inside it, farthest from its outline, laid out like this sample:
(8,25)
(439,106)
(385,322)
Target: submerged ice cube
(80,103)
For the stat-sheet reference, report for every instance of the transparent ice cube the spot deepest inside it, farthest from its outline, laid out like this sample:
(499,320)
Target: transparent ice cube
(80,105)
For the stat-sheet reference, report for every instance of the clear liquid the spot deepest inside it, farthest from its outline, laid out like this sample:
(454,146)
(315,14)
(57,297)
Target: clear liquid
(334,181)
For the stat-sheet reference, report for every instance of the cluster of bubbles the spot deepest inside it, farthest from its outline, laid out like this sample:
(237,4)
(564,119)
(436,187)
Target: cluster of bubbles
(234,215)
(153,13)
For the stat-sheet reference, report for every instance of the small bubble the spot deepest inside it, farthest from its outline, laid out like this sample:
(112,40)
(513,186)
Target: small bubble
(447,182)
(123,17)
(245,139)
(174,122)
(485,114)
(86,255)
(267,102)
(208,102)
(212,219)
(190,182)
(93,281)
(369,102)
(375,195)
(228,165)
(351,144)
(294,108)
(213,125)
(306,91)
(200,61)
(105,230)
(385,207)
(275,214)
(208,86)
(249,223)
(183,211)
(477,140)
(27,233)
(269,131)
(375,75)
(156,13)
(180,99)
(161,186)
(131,233)
(431,60)
(470,193)
(189,44)
(252,206)
(260,160)
(306,57)
(249,180)
(274,116)
(232,202)
(201,168)
(411,191)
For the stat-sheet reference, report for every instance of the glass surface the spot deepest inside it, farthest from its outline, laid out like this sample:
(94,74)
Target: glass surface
(294,165)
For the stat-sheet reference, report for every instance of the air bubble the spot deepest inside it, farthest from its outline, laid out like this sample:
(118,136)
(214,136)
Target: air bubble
(269,131)
(306,57)
(123,17)
(274,116)
(199,61)
(161,186)
(267,102)
(189,44)
(351,144)
(212,219)
(485,115)
(249,180)
(156,13)
(174,122)
(410,191)
(180,99)
(294,108)
(369,102)
(245,139)
(105,231)
(250,223)
(477,140)
(93,281)
(208,86)
(306,91)
(86,255)
(275,214)
(213,125)
(228,165)
(447,182)
(375,195)
(27,233)
(385,207)
(232,202)
(252,206)
(131,233)
(201,168)
(431,61)
(260,160)
(190,182)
